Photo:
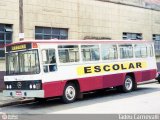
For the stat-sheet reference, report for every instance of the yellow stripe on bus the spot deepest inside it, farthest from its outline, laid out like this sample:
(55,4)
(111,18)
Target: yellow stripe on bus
(113,67)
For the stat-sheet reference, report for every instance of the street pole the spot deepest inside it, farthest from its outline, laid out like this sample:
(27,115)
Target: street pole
(21,27)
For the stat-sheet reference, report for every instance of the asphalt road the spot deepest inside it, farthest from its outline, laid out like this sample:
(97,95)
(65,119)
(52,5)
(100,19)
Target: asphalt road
(146,99)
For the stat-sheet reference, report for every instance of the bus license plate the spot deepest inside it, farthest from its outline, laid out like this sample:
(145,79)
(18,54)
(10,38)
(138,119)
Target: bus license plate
(18,93)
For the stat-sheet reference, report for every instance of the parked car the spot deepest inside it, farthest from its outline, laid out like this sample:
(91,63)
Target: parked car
(158,77)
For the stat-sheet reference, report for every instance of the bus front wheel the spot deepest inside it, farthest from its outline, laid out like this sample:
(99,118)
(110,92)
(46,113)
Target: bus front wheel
(69,93)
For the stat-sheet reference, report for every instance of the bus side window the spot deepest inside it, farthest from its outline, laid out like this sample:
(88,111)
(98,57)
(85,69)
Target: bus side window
(126,51)
(49,63)
(90,52)
(150,50)
(109,52)
(68,53)
(140,51)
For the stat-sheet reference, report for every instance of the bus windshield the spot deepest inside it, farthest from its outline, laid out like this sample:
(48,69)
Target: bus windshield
(22,63)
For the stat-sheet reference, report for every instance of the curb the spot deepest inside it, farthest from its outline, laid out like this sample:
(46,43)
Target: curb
(24,101)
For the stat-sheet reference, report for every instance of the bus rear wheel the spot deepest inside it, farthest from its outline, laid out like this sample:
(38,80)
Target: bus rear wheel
(128,85)
(69,93)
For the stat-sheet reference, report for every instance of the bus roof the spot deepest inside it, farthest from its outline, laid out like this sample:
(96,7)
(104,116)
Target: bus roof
(79,41)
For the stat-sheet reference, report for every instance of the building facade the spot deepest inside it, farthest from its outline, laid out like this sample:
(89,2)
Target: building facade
(79,19)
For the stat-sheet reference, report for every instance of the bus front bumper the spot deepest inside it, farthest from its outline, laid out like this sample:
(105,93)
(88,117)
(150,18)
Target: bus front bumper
(24,93)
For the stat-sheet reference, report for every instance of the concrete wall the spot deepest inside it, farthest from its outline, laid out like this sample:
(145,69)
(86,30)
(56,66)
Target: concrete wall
(9,14)
(83,17)
(91,18)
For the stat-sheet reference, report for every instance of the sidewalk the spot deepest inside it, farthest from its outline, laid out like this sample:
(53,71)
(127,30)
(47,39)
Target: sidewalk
(7,101)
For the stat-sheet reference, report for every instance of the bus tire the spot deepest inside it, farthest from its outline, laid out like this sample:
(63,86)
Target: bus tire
(129,84)
(69,93)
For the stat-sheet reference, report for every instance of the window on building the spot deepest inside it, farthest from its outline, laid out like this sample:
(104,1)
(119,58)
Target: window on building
(49,64)
(156,37)
(5,37)
(68,53)
(132,36)
(140,51)
(126,51)
(109,52)
(50,33)
(90,52)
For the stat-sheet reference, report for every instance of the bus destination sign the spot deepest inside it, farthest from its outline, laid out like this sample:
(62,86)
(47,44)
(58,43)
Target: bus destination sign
(18,47)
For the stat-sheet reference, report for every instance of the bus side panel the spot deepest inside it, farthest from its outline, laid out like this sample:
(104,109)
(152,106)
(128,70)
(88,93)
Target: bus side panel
(138,76)
(91,83)
(53,89)
(148,75)
(145,75)
(113,80)
(153,73)
(100,82)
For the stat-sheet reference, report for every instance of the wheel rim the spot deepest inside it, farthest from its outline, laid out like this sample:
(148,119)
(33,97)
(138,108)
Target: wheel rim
(70,93)
(128,84)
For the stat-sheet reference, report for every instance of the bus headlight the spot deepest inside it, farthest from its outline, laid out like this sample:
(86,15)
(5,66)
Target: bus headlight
(10,86)
(30,86)
(7,86)
(34,86)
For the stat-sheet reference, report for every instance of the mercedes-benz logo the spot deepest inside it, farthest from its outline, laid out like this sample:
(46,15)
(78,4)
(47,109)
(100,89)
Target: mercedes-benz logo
(19,84)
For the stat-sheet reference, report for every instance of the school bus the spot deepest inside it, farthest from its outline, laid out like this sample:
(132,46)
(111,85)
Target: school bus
(68,68)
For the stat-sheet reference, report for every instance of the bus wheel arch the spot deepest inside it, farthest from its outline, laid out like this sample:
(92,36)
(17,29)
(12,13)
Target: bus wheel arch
(129,83)
(132,75)
(73,87)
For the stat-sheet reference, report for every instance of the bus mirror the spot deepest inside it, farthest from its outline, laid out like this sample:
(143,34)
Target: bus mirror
(44,55)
